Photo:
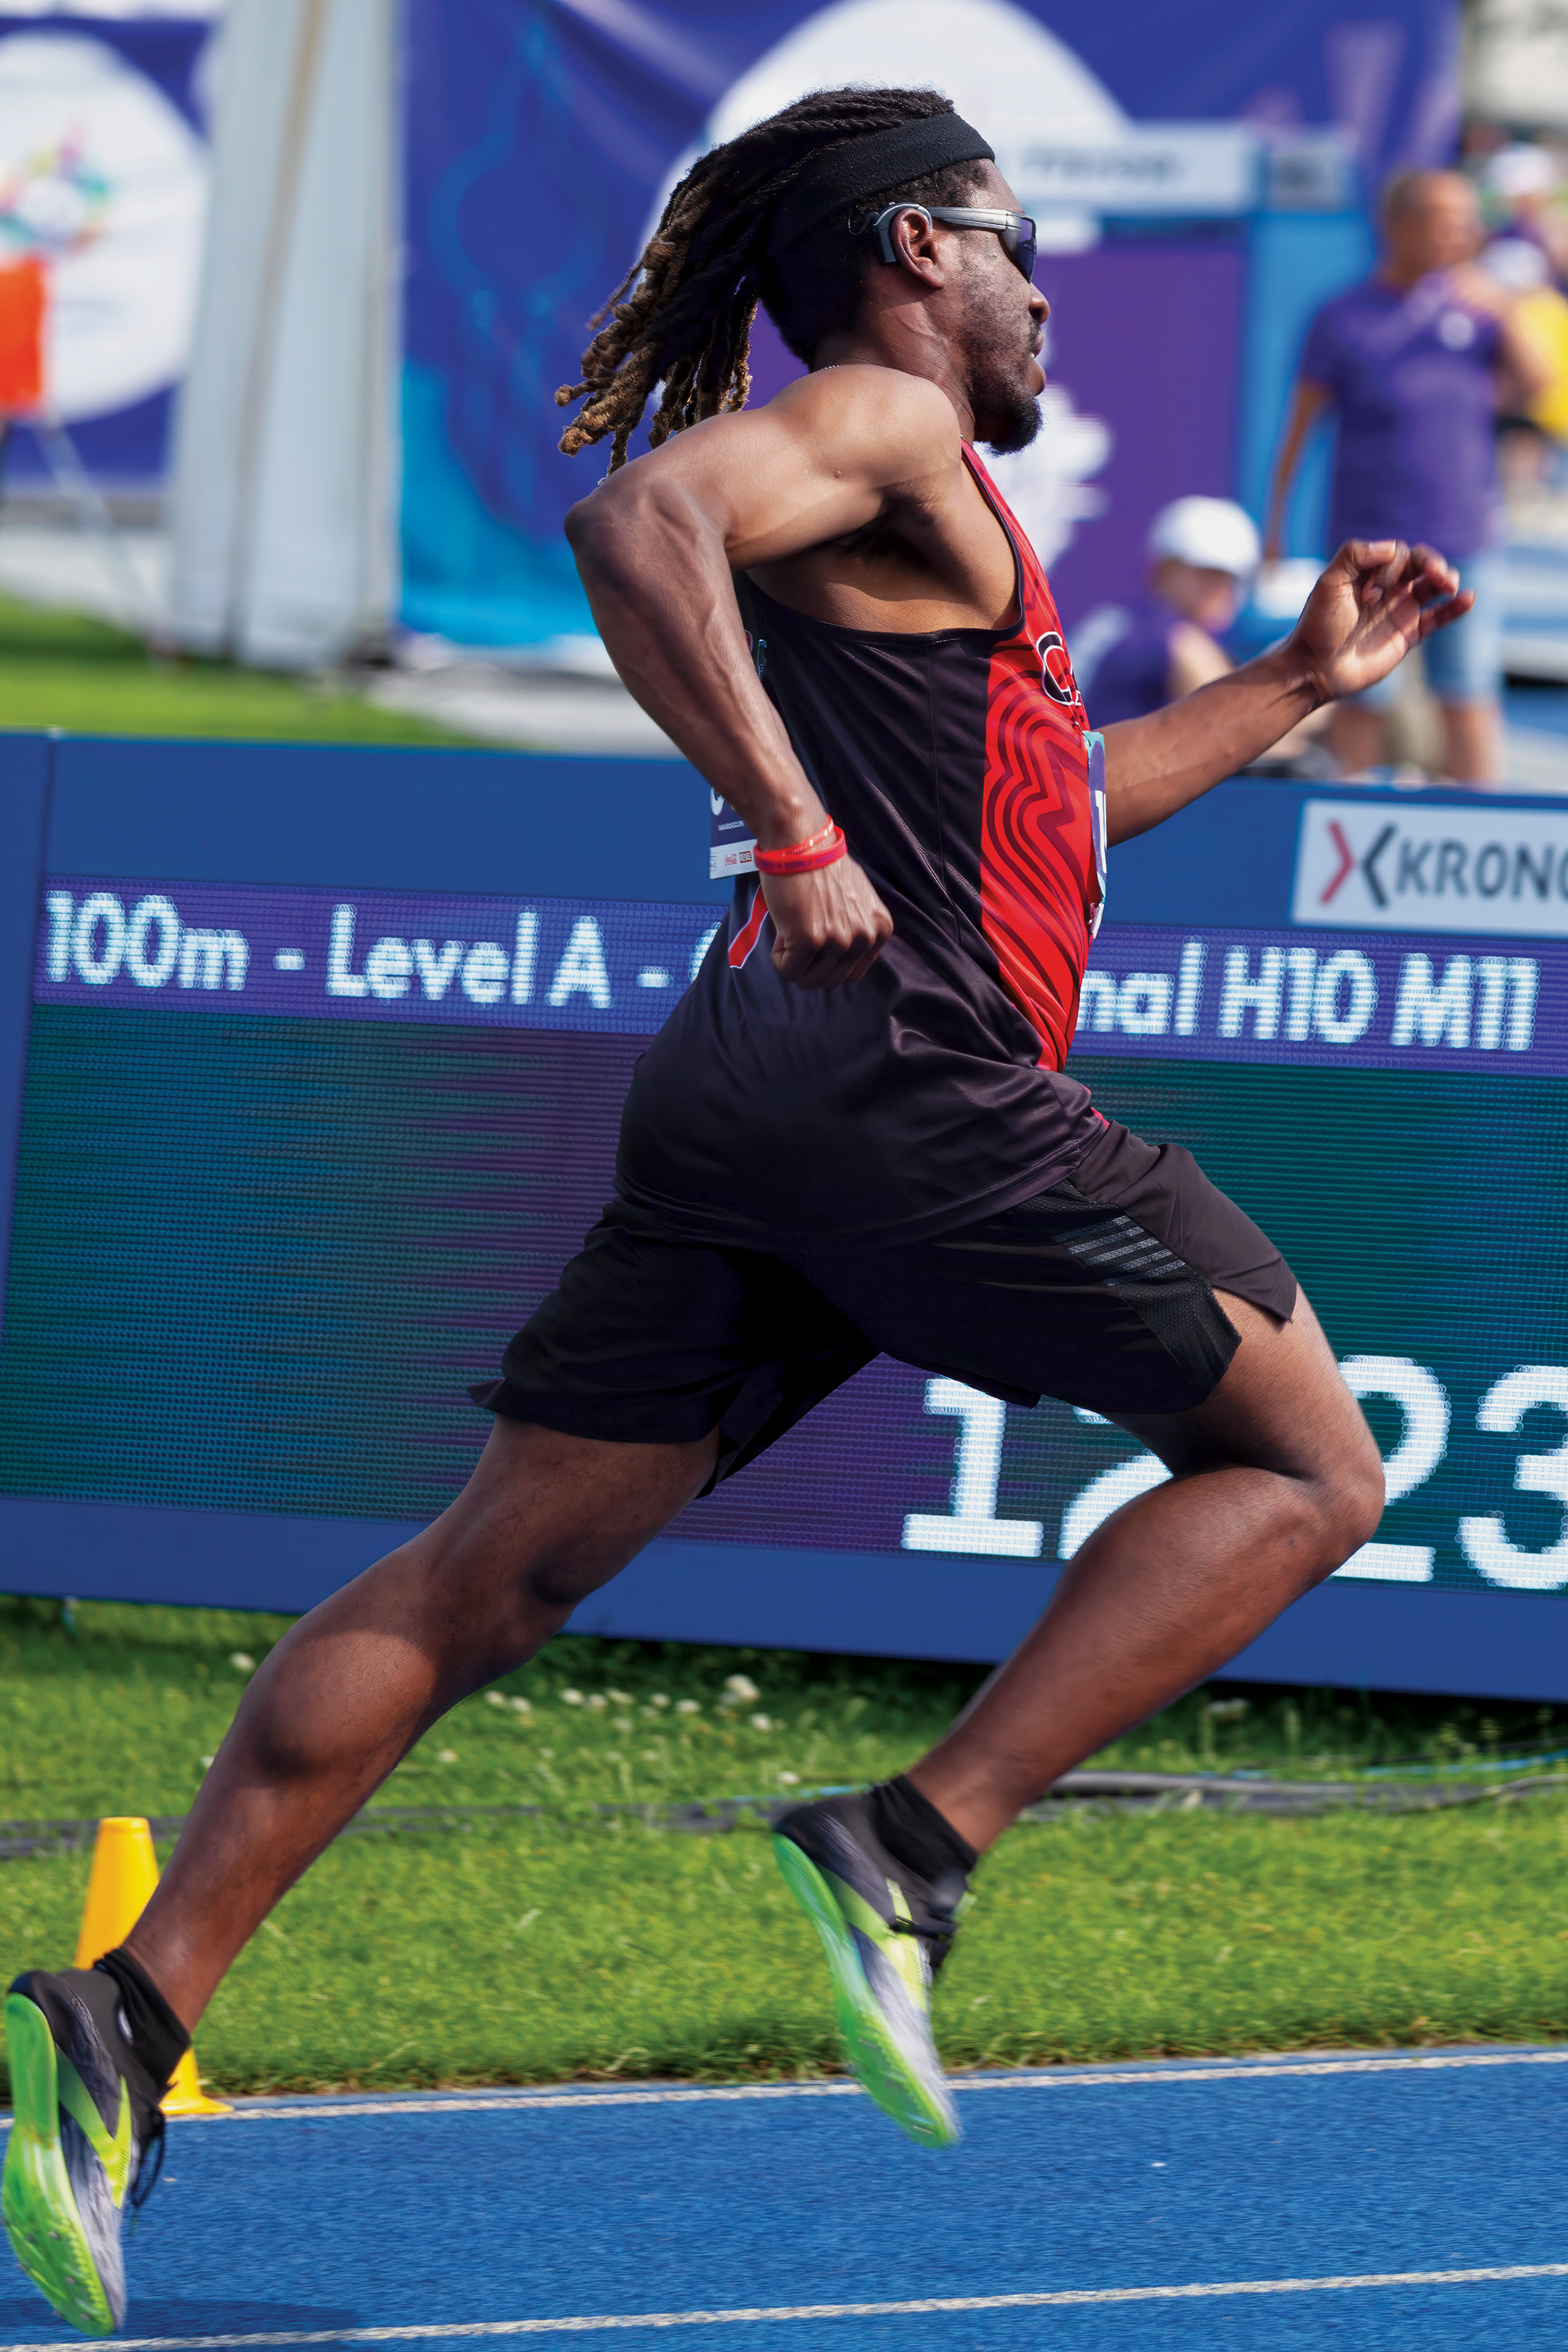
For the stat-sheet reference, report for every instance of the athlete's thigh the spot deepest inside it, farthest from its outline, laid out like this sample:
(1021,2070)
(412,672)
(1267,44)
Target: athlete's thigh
(1281,1404)
(587,1489)
(546,1516)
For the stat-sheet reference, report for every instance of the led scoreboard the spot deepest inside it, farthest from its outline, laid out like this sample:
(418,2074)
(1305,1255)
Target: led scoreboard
(311,1068)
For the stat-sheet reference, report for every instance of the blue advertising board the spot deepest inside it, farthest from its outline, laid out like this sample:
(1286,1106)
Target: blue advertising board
(310,1070)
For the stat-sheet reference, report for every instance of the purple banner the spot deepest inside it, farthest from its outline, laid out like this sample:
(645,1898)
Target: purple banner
(1327,999)
(608,966)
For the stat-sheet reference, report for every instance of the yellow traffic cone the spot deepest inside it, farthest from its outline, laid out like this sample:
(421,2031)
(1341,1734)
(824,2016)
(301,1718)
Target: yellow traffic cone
(124,1873)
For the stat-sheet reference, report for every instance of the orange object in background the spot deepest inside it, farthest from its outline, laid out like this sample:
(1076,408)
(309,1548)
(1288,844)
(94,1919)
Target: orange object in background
(23,301)
(124,1873)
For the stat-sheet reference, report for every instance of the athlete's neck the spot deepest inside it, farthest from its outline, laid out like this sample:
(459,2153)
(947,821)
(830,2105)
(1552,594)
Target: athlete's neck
(901,335)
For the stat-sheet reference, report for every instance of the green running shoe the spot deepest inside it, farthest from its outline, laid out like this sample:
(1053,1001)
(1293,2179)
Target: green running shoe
(885,1932)
(86,2141)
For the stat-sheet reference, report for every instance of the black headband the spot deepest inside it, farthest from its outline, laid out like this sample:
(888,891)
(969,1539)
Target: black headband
(845,176)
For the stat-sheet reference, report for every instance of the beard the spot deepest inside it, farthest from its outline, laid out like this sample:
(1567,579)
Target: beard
(1001,355)
(1008,422)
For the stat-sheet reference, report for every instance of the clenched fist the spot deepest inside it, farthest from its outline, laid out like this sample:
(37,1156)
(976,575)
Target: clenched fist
(829,924)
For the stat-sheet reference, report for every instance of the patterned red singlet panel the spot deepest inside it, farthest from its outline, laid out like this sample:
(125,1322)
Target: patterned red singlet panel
(1042,843)
(930,1093)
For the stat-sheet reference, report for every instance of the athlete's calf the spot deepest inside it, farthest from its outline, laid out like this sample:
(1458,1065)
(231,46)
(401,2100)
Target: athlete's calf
(1275,1481)
(545,1519)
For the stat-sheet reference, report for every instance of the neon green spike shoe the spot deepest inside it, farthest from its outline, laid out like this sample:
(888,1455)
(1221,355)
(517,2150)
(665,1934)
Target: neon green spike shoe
(86,2123)
(885,1932)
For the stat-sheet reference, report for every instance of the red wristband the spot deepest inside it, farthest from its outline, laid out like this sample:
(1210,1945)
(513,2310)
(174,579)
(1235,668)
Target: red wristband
(823,848)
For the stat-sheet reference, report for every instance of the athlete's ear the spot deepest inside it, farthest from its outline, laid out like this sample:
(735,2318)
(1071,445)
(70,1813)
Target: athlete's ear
(917,241)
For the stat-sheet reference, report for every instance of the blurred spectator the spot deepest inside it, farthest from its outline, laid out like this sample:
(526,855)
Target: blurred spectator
(1416,363)
(1519,184)
(1203,553)
(1479,139)
(1529,443)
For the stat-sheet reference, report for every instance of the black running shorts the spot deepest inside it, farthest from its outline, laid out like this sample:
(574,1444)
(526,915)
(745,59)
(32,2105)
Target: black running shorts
(1098,1290)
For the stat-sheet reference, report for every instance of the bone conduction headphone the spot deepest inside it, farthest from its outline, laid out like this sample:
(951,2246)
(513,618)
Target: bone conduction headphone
(1016,230)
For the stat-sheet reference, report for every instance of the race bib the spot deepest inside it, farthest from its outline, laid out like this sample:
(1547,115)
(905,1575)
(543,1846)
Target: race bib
(730,841)
(1095,745)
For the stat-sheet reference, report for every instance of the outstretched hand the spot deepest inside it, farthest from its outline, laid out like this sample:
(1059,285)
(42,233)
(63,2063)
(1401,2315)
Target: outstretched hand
(829,924)
(1376,599)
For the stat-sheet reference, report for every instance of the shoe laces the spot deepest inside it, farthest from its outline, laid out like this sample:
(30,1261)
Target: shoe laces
(942,1930)
(937,1925)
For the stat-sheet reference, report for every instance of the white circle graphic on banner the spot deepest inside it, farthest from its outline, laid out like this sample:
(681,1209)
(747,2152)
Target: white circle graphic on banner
(1004,73)
(104,182)
(1007,74)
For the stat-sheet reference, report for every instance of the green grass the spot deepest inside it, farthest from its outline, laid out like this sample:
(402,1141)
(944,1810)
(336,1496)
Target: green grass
(117,1712)
(604,1720)
(61,669)
(542,1951)
(533,1950)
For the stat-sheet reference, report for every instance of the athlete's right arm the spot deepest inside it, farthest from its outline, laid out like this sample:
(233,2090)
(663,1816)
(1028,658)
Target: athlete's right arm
(657,545)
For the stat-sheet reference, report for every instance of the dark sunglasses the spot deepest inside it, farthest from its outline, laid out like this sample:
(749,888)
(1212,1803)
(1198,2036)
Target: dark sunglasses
(1016,230)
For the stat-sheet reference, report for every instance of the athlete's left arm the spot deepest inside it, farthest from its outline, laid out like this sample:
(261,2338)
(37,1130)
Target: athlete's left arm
(1376,599)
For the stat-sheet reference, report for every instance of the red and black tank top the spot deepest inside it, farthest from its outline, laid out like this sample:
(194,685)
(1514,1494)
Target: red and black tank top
(929,1092)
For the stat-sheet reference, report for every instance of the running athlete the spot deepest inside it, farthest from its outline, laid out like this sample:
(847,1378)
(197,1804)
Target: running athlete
(854,1133)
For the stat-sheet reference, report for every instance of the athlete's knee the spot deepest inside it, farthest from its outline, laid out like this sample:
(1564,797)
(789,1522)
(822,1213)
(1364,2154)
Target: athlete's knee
(1317,1434)
(609,1501)
(547,1518)
(1327,1502)
(498,1586)
(1365,1496)
(1349,1495)
(555,1583)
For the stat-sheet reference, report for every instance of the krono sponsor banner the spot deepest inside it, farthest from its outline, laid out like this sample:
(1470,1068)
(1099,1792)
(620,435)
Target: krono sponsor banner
(1363,866)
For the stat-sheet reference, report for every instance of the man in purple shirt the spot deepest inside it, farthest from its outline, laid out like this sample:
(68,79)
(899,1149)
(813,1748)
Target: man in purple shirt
(1414,363)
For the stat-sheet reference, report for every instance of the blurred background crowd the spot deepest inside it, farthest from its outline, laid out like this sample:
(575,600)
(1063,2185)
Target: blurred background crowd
(286,286)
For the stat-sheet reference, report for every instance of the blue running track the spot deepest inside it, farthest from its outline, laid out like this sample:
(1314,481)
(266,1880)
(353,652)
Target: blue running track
(1378,2204)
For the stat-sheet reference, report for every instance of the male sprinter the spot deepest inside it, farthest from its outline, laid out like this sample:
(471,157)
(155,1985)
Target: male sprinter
(853,1135)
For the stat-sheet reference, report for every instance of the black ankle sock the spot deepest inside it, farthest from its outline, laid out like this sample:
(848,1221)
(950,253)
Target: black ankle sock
(157,2035)
(916,1834)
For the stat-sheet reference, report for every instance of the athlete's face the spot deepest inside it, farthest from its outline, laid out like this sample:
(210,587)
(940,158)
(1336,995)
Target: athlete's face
(1003,329)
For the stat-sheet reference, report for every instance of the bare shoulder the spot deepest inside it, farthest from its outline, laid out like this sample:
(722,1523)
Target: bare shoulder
(839,452)
(888,429)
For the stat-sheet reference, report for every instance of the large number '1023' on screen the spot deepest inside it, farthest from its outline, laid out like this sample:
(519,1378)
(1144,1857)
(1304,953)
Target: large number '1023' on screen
(1426,1415)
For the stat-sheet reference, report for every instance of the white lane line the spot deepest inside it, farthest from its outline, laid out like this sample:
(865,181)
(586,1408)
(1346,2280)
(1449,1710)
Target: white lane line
(750,2314)
(1042,2079)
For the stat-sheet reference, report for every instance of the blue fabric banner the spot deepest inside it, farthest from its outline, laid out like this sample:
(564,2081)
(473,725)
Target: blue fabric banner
(542,135)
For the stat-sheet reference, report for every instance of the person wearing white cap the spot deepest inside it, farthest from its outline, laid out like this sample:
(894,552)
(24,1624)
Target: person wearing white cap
(1519,184)
(1202,555)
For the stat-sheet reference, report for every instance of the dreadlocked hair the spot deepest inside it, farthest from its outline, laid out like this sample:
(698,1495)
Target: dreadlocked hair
(681,315)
